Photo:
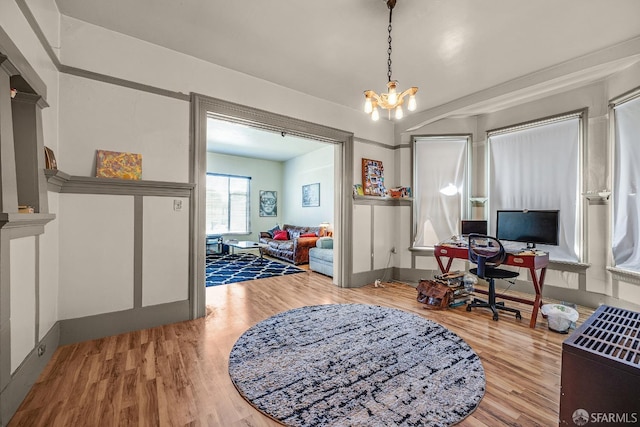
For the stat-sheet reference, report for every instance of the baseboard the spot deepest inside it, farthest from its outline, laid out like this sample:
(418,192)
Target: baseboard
(27,374)
(107,324)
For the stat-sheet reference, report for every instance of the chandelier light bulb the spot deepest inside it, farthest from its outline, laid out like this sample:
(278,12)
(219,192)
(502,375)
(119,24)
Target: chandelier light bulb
(368,106)
(399,112)
(412,103)
(375,115)
(392,95)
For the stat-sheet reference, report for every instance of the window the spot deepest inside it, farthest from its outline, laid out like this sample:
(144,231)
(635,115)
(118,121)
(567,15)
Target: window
(537,166)
(227,204)
(626,181)
(440,187)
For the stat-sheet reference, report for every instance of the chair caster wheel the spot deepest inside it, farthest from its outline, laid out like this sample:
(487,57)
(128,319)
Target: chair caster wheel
(468,308)
(495,317)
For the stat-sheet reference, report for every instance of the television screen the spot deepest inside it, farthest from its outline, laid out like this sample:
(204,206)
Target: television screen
(528,226)
(477,226)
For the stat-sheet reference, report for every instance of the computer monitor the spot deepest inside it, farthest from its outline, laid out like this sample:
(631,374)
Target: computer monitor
(476,226)
(528,226)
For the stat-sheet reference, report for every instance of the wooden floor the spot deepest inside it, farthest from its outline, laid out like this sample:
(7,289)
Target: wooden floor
(176,375)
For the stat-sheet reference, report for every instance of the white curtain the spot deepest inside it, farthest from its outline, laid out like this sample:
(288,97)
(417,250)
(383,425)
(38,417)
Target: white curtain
(440,165)
(537,168)
(626,176)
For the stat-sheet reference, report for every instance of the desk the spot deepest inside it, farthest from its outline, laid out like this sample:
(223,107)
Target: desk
(536,264)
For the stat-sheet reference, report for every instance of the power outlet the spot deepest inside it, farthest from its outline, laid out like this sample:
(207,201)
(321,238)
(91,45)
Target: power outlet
(177,205)
(42,348)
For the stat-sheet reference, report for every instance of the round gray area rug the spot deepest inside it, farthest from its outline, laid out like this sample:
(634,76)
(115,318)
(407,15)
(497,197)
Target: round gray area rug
(356,365)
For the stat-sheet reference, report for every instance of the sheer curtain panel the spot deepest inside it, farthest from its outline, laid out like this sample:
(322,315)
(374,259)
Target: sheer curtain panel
(626,180)
(538,168)
(440,187)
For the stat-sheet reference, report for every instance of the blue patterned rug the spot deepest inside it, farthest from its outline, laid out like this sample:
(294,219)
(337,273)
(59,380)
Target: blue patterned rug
(225,269)
(356,365)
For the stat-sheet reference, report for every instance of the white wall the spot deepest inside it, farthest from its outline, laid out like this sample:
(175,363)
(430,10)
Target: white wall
(23,298)
(138,61)
(96,254)
(310,168)
(165,242)
(96,115)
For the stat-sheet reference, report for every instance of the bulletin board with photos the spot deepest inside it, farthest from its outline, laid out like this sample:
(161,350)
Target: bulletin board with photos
(372,177)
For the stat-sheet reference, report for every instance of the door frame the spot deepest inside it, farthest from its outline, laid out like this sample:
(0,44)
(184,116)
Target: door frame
(204,106)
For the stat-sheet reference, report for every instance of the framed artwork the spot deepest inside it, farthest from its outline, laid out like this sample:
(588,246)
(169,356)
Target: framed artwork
(311,195)
(114,164)
(268,203)
(372,177)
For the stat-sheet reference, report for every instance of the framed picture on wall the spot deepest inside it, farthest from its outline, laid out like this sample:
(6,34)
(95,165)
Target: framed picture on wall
(372,177)
(268,203)
(311,195)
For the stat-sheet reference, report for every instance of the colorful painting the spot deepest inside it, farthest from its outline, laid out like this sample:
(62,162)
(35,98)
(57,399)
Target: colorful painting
(373,178)
(114,164)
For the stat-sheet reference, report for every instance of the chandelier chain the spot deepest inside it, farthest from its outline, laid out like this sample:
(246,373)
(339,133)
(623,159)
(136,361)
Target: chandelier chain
(389,49)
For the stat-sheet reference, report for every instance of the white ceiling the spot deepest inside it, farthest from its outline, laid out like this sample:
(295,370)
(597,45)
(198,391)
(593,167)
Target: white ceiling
(239,140)
(336,49)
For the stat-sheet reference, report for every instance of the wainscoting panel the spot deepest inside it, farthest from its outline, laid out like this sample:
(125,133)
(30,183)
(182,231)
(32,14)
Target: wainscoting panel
(23,298)
(165,250)
(96,254)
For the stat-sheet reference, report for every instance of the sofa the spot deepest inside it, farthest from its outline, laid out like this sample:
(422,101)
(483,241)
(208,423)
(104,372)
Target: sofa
(294,247)
(321,257)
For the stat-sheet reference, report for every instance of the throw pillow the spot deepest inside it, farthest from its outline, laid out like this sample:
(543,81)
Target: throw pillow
(281,235)
(325,243)
(273,230)
(308,235)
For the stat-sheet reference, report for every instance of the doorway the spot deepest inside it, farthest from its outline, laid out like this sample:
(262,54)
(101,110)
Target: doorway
(205,107)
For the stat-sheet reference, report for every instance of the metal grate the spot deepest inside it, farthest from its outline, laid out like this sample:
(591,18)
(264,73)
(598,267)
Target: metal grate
(612,333)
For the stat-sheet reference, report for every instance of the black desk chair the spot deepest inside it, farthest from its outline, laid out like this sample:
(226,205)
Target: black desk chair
(488,253)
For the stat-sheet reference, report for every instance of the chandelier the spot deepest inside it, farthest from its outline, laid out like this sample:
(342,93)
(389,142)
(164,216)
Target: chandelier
(392,100)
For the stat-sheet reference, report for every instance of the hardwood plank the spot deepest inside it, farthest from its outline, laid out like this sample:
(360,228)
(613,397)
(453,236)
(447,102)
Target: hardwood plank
(178,374)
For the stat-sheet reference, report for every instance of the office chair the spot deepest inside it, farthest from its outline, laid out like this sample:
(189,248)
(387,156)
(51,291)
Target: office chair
(488,253)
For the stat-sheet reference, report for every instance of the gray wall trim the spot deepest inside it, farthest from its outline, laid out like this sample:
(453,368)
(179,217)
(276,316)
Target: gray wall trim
(381,144)
(27,374)
(36,268)
(262,119)
(372,233)
(138,227)
(63,183)
(22,225)
(118,322)
(22,66)
(35,27)
(5,311)
(376,143)
(91,75)
(56,179)
(197,217)
(364,278)
(381,201)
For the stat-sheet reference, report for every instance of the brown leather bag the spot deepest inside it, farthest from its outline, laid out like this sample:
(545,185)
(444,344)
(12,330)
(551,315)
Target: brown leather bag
(433,294)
